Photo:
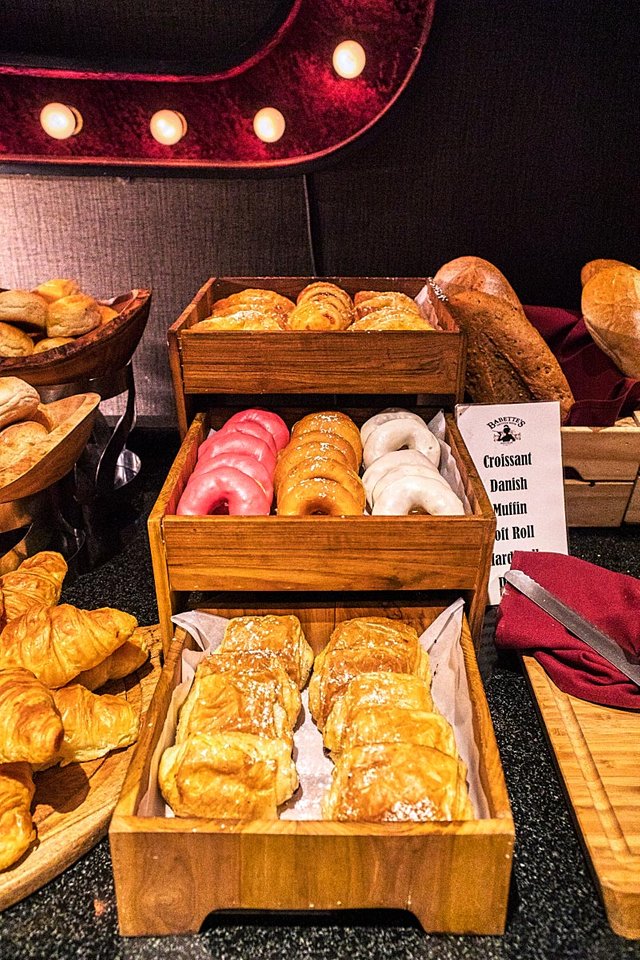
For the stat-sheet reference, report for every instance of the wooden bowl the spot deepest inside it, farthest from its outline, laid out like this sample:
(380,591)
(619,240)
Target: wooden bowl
(71,422)
(109,347)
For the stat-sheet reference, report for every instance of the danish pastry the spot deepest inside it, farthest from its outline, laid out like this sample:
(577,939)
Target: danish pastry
(25,309)
(73,316)
(239,320)
(14,342)
(392,724)
(380,632)
(280,635)
(261,666)
(322,306)
(227,776)
(397,781)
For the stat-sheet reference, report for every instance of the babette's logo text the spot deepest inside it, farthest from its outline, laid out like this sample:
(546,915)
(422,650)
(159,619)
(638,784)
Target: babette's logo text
(505,430)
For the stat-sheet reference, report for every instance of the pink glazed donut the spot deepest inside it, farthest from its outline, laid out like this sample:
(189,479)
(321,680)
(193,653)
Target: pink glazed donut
(270,421)
(249,465)
(213,489)
(228,441)
(253,429)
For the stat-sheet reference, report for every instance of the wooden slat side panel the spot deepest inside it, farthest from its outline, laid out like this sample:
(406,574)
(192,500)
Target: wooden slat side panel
(598,752)
(632,514)
(603,453)
(318,553)
(596,504)
(376,362)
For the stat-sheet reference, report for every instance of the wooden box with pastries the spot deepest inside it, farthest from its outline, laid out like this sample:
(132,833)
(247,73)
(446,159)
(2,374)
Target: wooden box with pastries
(450,866)
(56,333)
(241,335)
(295,523)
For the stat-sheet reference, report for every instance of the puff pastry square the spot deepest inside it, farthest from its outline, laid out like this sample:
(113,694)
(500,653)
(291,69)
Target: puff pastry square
(280,635)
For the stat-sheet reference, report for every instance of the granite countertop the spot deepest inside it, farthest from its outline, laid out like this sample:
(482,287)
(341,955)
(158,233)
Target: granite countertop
(555,911)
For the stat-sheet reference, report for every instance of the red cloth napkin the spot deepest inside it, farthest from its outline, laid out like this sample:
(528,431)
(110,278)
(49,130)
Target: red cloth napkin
(610,601)
(603,394)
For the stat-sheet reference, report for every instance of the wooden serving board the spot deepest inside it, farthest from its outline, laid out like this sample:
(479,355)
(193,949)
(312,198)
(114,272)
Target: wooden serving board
(73,805)
(598,752)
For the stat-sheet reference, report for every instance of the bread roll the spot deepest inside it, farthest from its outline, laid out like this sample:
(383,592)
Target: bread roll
(611,311)
(50,343)
(14,342)
(73,316)
(595,266)
(53,290)
(474,273)
(23,308)
(107,313)
(18,440)
(507,359)
(18,400)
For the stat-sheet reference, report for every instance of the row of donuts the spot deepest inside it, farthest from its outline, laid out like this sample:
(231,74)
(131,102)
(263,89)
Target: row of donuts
(315,471)
(320,306)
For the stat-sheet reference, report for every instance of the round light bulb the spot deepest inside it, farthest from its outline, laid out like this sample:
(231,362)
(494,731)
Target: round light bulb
(268,124)
(168,127)
(60,121)
(349,59)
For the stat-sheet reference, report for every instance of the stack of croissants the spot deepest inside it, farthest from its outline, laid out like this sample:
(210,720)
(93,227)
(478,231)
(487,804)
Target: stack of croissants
(55,313)
(52,658)
(395,755)
(320,306)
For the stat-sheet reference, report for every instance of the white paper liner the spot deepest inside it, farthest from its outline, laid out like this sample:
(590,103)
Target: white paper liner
(450,690)
(448,467)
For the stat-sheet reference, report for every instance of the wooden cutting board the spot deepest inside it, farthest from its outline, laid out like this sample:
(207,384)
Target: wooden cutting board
(598,752)
(73,804)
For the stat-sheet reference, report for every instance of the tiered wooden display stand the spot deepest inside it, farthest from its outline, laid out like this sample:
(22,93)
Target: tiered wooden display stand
(453,876)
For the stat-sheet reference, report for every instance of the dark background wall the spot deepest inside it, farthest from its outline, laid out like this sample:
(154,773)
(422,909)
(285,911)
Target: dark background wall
(517,140)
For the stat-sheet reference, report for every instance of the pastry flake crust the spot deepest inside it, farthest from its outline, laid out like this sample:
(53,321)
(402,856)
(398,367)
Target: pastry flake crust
(280,635)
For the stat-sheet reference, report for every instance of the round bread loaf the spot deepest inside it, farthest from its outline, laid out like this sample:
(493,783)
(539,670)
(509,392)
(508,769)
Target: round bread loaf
(18,400)
(14,342)
(507,359)
(18,440)
(73,316)
(474,273)
(611,312)
(23,308)
(56,289)
(595,266)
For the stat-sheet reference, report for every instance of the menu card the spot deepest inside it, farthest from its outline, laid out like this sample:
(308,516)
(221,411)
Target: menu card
(517,450)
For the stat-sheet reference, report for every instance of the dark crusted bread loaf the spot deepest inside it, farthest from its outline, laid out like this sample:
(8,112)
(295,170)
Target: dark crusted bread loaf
(507,359)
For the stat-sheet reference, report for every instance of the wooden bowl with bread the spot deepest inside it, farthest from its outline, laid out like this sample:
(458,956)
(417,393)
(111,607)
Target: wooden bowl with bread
(39,443)
(49,336)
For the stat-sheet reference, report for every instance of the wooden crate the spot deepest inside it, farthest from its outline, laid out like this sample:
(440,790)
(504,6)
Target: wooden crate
(405,364)
(171,873)
(356,554)
(602,466)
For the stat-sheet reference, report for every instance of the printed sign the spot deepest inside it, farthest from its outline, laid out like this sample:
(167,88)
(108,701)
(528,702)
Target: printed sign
(517,450)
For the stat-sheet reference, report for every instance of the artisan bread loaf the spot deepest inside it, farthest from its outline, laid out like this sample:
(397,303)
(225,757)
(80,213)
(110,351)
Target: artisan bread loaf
(474,273)
(611,311)
(507,359)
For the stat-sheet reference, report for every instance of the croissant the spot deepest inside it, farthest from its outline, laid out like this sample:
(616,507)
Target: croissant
(16,827)
(38,581)
(123,661)
(30,724)
(58,643)
(93,725)
(383,782)
(227,775)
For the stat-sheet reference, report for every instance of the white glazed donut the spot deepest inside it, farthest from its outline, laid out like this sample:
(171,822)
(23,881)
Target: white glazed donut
(398,473)
(417,493)
(391,413)
(396,434)
(389,461)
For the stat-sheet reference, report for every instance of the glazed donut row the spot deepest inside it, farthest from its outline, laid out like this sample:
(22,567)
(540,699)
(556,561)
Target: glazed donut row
(317,473)
(401,457)
(319,306)
(234,472)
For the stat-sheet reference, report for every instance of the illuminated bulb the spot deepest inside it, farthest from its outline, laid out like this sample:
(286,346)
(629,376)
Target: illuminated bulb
(60,121)
(168,127)
(349,59)
(268,124)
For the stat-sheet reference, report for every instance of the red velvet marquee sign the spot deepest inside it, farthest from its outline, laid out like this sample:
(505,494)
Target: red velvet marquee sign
(293,73)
